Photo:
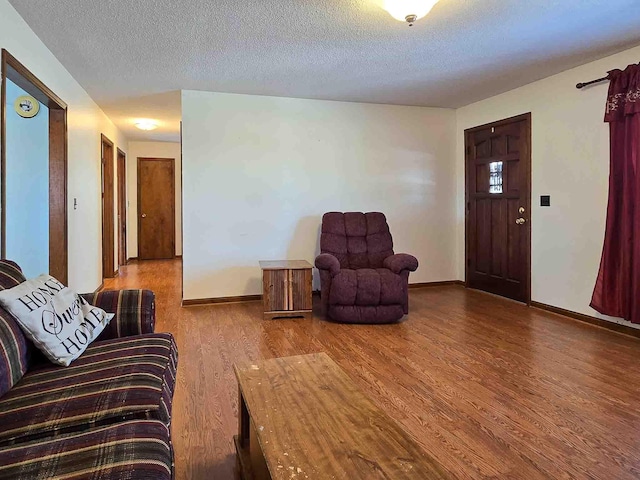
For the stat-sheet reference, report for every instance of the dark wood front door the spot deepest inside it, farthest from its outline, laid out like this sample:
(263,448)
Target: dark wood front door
(108,216)
(156,208)
(498,195)
(122,208)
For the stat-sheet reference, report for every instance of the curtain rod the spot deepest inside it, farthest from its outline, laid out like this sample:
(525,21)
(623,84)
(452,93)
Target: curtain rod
(586,84)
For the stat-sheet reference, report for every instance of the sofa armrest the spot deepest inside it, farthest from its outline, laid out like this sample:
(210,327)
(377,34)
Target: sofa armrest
(326,261)
(401,261)
(135,312)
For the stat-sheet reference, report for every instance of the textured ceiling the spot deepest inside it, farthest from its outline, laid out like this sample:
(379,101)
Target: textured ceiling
(134,56)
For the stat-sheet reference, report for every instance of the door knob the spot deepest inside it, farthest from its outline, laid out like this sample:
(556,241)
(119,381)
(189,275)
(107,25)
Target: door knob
(521,221)
(144,215)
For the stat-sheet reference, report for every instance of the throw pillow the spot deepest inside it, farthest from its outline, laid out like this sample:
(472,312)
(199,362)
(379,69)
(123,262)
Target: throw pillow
(58,321)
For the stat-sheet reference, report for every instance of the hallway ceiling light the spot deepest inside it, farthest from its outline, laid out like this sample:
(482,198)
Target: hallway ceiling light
(146,124)
(409,10)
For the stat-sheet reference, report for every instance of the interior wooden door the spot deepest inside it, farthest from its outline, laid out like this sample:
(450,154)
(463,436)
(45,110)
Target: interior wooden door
(156,208)
(498,195)
(108,215)
(122,208)
(58,248)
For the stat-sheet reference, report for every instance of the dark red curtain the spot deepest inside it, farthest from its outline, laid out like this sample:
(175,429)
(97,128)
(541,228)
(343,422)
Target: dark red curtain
(617,291)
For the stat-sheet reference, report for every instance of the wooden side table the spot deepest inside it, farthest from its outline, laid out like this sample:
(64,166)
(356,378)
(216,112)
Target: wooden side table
(286,286)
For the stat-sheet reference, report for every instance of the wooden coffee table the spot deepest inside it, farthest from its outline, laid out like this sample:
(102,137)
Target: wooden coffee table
(303,418)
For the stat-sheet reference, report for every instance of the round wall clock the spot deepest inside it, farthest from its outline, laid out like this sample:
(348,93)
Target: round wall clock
(26,106)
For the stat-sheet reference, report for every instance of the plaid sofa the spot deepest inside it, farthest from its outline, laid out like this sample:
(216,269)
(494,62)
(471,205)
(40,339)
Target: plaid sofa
(107,415)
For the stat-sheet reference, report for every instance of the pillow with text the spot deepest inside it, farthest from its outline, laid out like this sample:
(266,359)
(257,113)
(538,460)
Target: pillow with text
(58,321)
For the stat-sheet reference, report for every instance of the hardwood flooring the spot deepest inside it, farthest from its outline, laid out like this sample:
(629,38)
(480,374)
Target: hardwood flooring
(489,387)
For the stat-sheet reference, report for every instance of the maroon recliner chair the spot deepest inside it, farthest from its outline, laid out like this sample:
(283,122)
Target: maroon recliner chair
(362,281)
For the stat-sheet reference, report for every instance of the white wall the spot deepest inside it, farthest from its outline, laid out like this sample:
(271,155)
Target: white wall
(27,185)
(150,150)
(261,171)
(85,124)
(570,162)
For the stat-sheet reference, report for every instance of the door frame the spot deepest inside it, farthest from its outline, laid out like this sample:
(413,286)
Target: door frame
(107,199)
(173,202)
(15,71)
(526,117)
(122,207)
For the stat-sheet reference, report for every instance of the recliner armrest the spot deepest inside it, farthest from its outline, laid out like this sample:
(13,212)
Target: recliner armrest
(135,312)
(401,261)
(326,261)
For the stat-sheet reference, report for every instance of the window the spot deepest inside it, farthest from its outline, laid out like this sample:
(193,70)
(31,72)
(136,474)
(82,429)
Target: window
(495,177)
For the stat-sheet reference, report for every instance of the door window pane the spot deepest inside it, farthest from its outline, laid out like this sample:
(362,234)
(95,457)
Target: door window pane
(495,177)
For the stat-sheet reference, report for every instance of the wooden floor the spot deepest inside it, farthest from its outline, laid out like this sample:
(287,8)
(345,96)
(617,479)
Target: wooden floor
(490,388)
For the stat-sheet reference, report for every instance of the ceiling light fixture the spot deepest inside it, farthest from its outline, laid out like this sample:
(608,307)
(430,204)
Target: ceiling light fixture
(146,124)
(409,11)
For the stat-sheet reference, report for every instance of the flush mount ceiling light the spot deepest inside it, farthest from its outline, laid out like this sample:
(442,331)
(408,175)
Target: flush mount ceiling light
(409,10)
(146,124)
